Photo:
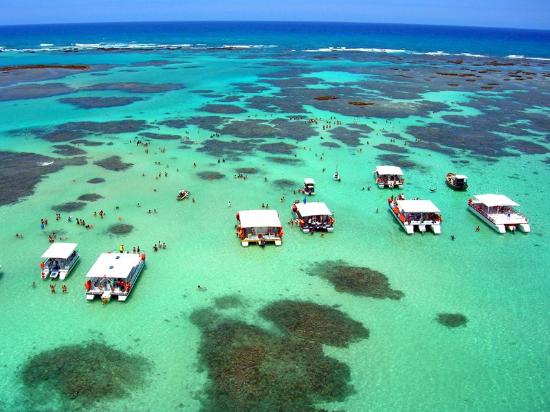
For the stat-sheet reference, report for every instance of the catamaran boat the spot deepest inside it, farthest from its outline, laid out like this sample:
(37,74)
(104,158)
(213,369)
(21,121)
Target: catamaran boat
(309,186)
(259,226)
(114,274)
(415,214)
(456,182)
(60,259)
(313,216)
(183,194)
(389,176)
(498,212)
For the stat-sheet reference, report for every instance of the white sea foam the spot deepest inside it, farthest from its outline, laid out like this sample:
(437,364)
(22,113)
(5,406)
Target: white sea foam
(46,44)
(522,57)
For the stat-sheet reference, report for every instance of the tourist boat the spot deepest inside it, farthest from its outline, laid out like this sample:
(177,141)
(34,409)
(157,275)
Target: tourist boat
(456,182)
(313,216)
(60,259)
(183,194)
(259,226)
(497,211)
(415,214)
(114,274)
(336,176)
(309,186)
(389,176)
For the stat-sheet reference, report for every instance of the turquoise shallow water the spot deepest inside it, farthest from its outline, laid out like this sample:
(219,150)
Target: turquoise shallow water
(498,361)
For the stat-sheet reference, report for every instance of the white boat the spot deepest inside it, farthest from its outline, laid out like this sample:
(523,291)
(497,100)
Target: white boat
(389,176)
(114,275)
(309,186)
(259,226)
(313,216)
(498,212)
(60,259)
(415,214)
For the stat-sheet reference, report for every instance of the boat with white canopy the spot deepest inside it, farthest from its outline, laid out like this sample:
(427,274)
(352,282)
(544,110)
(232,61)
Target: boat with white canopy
(498,212)
(259,226)
(313,216)
(309,186)
(389,176)
(60,259)
(114,274)
(456,181)
(415,214)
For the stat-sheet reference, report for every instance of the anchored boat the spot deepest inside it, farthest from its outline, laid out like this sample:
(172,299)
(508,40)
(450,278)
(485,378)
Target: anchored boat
(60,259)
(415,214)
(114,275)
(498,212)
(456,182)
(313,216)
(309,186)
(259,226)
(389,176)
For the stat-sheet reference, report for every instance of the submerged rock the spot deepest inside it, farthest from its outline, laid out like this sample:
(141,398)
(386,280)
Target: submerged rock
(209,175)
(69,207)
(355,280)
(96,180)
(314,322)
(85,373)
(452,320)
(120,229)
(113,163)
(90,197)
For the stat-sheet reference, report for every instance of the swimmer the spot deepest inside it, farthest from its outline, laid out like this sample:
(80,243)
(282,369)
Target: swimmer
(478,229)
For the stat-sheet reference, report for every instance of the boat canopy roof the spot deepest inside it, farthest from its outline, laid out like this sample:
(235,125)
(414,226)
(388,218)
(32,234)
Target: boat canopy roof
(417,206)
(389,170)
(59,251)
(313,209)
(309,181)
(461,177)
(259,218)
(114,265)
(495,200)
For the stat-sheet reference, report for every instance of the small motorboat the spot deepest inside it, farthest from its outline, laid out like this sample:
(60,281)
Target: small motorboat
(336,176)
(183,194)
(456,182)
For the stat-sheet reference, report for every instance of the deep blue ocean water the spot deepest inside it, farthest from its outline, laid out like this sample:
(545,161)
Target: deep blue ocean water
(411,38)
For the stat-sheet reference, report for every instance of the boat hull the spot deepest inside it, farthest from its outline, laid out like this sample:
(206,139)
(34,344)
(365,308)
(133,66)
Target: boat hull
(422,227)
(501,228)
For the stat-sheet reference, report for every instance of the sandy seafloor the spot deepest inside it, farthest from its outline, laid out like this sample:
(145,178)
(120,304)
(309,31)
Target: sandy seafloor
(498,361)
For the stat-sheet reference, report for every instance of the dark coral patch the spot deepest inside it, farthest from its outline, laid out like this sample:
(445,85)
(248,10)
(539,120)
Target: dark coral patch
(113,163)
(20,172)
(85,373)
(247,170)
(397,160)
(90,197)
(99,102)
(136,87)
(158,136)
(222,148)
(222,109)
(228,302)
(34,91)
(391,148)
(207,122)
(96,180)
(120,229)
(251,369)
(86,142)
(210,175)
(277,148)
(69,207)
(314,322)
(249,129)
(356,280)
(285,184)
(68,150)
(347,136)
(332,145)
(452,320)
(174,123)
(283,160)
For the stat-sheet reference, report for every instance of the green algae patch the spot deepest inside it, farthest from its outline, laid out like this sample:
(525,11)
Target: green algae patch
(314,322)
(85,373)
(356,280)
(452,320)
(250,368)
